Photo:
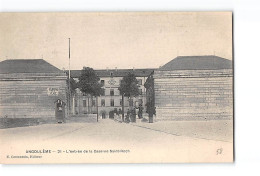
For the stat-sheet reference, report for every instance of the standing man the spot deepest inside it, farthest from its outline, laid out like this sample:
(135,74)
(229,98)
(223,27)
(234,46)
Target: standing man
(140,111)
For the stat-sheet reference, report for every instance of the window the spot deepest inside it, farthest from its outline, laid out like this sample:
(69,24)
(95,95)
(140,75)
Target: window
(139,81)
(112,92)
(103,102)
(112,103)
(102,82)
(120,102)
(76,102)
(131,103)
(93,102)
(140,91)
(111,74)
(84,103)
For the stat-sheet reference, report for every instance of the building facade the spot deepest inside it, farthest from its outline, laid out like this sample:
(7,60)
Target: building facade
(192,88)
(30,88)
(111,98)
(186,88)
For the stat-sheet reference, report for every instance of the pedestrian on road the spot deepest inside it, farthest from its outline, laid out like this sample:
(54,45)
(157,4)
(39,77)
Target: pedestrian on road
(140,111)
(127,119)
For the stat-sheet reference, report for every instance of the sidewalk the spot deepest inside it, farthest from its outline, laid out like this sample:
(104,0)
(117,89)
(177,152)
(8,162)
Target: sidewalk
(220,130)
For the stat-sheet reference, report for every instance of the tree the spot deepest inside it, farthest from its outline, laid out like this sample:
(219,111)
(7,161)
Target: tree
(73,86)
(150,97)
(89,84)
(128,87)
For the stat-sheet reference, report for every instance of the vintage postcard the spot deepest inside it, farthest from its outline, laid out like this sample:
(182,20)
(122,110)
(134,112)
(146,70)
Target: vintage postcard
(116,87)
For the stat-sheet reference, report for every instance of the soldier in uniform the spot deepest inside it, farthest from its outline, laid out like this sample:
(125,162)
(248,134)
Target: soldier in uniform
(60,111)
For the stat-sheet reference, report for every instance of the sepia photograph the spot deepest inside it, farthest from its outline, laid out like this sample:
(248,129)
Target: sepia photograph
(116,87)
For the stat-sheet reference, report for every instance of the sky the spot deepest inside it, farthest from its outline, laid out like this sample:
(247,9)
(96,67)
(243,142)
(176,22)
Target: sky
(109,40)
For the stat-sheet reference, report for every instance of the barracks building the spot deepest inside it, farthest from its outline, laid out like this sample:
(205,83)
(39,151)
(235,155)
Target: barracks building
(30,89)
(111,98)
(186,88)
(192,88)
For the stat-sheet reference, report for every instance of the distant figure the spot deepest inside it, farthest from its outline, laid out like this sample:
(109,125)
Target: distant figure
(120,111)
(140,111)
(133,115)
(115,113)
(127,119)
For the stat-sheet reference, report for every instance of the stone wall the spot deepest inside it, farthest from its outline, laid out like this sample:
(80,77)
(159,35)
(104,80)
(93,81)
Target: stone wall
(193,94)
(31,95)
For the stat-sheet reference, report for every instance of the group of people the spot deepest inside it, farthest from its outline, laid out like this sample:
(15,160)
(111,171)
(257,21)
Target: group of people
(130,113)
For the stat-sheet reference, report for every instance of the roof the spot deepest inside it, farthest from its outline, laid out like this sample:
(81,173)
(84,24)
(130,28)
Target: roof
(197,63)
(27,66)
(116,72)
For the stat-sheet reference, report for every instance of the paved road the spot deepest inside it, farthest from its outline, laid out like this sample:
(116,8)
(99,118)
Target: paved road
(113,142)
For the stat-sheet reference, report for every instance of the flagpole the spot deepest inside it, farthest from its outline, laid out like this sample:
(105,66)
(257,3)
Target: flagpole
(69,79)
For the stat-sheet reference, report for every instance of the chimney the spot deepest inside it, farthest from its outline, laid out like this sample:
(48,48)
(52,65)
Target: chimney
(107,68)
(116,68)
